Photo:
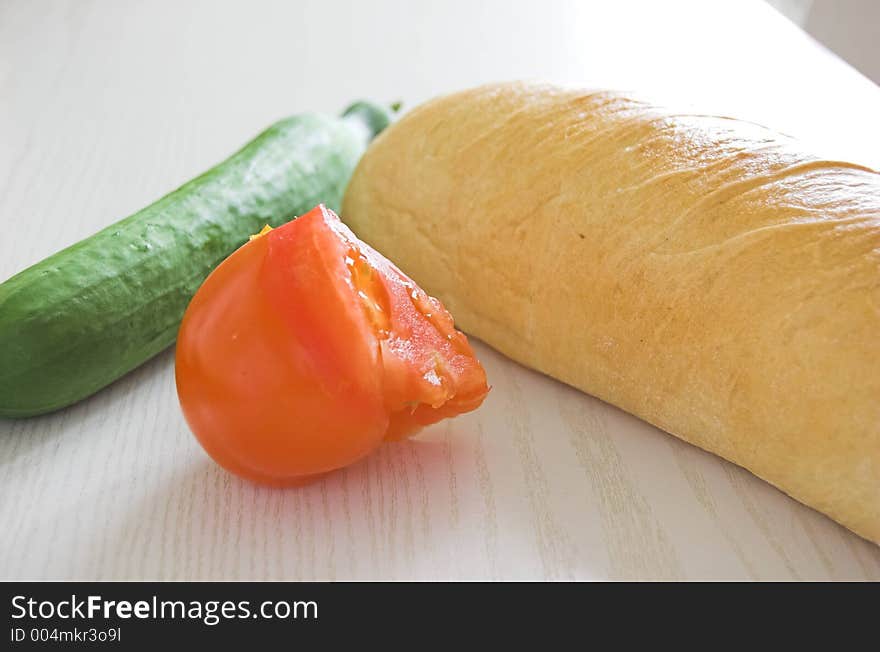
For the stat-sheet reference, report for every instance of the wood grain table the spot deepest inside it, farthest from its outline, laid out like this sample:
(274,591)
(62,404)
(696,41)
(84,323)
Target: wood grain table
(105,106)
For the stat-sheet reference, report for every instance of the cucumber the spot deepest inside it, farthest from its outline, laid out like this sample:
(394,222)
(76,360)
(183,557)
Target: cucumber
(85,316)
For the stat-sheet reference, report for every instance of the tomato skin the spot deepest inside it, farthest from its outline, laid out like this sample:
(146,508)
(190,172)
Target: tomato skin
(245,386)
(283,374)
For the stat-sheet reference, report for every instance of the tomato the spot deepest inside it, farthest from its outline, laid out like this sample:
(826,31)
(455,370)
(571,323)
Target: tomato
(306,349)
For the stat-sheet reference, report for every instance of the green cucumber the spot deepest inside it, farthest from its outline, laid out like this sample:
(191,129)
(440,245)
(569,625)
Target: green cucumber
(85,316)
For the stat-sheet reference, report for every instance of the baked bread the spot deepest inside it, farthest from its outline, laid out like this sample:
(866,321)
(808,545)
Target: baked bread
(703,273)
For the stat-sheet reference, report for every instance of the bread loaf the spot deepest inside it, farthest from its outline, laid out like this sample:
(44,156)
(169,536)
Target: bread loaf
(703,273)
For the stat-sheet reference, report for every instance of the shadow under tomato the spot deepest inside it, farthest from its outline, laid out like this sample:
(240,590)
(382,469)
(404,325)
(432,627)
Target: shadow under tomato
(377,519)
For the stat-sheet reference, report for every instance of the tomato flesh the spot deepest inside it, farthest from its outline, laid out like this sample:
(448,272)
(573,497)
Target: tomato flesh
(306,348)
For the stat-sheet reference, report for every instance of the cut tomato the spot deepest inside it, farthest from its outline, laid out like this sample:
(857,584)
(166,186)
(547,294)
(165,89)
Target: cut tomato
(306,348)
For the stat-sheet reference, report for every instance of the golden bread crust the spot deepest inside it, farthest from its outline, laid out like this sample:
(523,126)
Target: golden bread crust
(700,272)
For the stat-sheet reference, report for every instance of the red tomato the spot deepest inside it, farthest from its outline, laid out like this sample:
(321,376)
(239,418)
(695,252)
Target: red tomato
(306,348)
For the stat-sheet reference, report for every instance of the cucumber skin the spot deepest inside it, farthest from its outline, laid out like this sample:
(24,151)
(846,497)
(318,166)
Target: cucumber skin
(80,319)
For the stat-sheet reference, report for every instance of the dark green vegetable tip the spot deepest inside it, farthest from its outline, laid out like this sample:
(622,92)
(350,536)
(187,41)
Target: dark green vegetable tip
(373,116)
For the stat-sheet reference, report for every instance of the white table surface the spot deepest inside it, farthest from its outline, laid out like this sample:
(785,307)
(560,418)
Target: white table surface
(105,106)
